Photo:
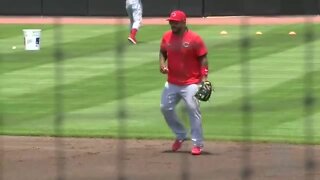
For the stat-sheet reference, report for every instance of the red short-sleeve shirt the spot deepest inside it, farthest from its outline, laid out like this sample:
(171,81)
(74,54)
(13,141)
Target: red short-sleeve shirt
(183,57)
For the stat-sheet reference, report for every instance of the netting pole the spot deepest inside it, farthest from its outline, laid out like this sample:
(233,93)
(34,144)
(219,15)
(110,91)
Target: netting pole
(185,161)
(309,98)
(121,97)
(1,123)
(203,9)
(58,99)
(246,107)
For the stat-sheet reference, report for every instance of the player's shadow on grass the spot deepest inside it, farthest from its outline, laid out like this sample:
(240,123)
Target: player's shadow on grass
(205,153)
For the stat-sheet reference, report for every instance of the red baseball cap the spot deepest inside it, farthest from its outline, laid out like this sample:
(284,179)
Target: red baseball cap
(177,15)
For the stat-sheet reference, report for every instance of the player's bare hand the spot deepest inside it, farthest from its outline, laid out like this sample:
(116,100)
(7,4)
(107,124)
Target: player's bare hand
(164,69)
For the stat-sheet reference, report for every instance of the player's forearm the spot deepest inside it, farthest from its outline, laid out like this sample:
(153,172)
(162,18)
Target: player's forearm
(204,61)
(162,58)
(204,67)
(163,62)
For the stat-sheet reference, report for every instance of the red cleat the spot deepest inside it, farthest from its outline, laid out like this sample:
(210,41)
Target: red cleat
(196,150)
(132,40)
(177,145)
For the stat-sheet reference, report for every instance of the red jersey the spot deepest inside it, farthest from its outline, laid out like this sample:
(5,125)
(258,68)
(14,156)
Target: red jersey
(183,57)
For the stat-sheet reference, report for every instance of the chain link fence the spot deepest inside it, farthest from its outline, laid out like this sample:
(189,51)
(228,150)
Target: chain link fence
(247,107)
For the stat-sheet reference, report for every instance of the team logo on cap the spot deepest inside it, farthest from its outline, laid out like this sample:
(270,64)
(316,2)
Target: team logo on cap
(173,14)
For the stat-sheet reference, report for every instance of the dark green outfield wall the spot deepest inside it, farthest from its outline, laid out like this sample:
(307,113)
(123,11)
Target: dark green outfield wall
(159,7)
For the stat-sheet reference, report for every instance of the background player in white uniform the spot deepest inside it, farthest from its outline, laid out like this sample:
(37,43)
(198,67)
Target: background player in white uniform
(134,11)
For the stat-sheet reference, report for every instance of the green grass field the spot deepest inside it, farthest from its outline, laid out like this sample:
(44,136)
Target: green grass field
(89,90)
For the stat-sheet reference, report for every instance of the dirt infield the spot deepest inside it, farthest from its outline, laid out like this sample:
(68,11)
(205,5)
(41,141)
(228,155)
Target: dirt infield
(36,158)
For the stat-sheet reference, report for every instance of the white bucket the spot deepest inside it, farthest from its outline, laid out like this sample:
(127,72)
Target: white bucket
(32,39)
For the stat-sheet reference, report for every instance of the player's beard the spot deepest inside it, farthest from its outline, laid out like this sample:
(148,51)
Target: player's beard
(176,30)
(177,27)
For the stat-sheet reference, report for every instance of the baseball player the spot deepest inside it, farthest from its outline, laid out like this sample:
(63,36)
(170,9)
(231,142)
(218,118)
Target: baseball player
(134,11)
(183,57)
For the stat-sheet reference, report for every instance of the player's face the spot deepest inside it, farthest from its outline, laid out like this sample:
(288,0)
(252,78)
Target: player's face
(177,27)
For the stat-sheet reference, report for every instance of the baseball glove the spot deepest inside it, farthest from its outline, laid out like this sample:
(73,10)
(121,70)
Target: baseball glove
(204,91)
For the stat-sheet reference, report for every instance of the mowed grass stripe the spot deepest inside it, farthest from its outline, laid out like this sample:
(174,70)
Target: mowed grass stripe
(131,52)
(82,47)
(272,108)
(75,48)
(295,129)
(83,94)
(81,89)
(75,69)
(265,73)
(219,123)
(13,30)
(68,34)
(231,122)
(156,93)
(142,112)
(275,41)
(79,48)
(89,46)
(79,69)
